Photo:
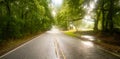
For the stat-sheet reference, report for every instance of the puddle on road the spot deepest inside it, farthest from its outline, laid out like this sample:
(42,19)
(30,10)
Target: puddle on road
(91,38)
(87,43)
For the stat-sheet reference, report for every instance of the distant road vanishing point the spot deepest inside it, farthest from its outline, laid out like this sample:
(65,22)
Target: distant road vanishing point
(55,45)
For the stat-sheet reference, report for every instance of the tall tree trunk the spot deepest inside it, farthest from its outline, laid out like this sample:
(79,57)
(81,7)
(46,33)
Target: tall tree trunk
(7,3)
(103,20)
(6,35)
(103,16)
(97,21)
(110,16)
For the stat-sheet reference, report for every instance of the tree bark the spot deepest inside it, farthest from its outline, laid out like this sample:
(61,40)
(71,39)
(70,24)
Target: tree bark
(97,21)
(110,16)
(7,3)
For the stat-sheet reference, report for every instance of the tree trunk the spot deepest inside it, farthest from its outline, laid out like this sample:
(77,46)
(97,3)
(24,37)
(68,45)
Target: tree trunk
(110,16)
(96,21)
(7,3)
(103,16)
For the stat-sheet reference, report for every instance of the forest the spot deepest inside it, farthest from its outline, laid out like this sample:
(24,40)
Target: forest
(105,14)
(19,18)
(22,20)
(92,18)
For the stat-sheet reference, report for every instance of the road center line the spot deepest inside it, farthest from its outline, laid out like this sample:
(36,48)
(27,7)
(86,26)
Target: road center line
(58,50)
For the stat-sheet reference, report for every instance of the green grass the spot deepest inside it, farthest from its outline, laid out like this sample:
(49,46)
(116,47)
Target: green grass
(70,33)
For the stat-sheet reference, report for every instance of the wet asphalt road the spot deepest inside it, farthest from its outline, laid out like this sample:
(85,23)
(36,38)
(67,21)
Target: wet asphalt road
(57,46)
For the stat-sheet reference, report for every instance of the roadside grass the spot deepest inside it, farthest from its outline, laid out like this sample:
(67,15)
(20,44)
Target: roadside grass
(70,33)
(107,42)
(8,45)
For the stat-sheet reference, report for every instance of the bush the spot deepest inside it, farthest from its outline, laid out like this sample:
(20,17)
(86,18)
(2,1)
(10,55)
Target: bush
(10,27)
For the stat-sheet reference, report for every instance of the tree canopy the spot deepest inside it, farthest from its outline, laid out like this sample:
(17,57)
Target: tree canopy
(106,13)
(23,17)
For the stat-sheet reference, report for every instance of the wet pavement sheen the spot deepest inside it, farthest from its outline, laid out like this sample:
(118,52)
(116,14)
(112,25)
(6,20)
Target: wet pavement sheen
(44,47)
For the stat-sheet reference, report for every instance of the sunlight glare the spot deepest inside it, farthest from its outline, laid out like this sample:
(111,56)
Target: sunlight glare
(53,13)
(91,38)
(54,29)
(88,43)
(95,1)
(92,5)
(87,17)
(57,2)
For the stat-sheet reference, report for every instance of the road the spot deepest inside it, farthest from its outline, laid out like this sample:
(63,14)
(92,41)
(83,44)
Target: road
(56,45)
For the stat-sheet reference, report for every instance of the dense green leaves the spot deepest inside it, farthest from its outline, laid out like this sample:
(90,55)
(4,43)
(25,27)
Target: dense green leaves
(106,13)
(70,11)
(22,17)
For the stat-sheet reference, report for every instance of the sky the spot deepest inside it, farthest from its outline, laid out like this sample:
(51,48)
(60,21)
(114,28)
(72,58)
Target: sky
(57,3)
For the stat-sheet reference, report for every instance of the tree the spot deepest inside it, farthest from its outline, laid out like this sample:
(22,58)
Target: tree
(107,12)
(23,17)
(71,11)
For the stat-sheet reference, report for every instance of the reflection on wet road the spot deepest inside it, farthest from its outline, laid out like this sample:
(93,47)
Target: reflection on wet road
(74,48)
(56,45)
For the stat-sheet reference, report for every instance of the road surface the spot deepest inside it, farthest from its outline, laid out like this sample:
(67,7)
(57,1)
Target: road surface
(56,45)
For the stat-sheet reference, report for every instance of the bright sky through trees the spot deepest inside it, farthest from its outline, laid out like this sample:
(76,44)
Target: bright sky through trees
(87,18)
(53,13)
(55,4)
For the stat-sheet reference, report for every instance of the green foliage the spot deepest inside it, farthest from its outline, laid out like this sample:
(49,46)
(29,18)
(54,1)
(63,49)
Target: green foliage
(71,11)
(19,18)
(71,33)
(107,12)
(10,27)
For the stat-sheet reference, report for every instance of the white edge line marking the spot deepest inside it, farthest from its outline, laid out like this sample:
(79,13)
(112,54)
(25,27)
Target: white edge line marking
(19,46)
(107,51)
